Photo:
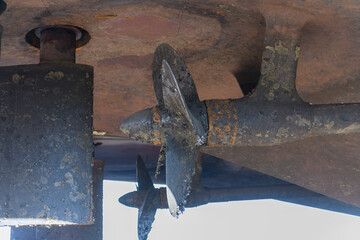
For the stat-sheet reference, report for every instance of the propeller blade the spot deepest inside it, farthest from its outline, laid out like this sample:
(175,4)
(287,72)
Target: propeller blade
(146,215)
(147,199)
(184,80)
(161,160)
(181,72)
(180,168)
(142,175)
(182,133)
(179,123)
(181,154)
(173,99)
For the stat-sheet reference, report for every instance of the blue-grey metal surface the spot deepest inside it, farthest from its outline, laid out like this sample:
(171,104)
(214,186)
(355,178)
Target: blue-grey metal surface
(46,144)
(88,232)
(2,9)
(120,156)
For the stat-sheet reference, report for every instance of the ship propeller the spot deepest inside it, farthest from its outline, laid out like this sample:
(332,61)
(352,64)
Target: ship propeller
(183,125)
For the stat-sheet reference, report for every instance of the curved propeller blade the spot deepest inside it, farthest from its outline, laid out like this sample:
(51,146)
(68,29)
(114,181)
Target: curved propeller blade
(173,99)
(182,134)
(181,72)
(184,80)
(147,211)
(179,123)
(180,169)
(142,175)
(146,214)
(147,199)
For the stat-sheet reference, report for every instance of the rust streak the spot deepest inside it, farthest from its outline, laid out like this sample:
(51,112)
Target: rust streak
(106,16)
(156,115)
(156,138)
(235,124)
(156,119)
(211,124)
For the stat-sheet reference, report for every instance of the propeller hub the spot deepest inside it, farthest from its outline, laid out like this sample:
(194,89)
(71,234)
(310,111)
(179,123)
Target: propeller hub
(133,199)
(143,126)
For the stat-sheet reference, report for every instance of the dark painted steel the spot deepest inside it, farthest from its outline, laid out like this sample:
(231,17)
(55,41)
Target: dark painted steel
(1,32)
(46,144)
(88,232)
(142,176)
(181,148)
(3,6)
(183,79)
(146,214)
(2,9)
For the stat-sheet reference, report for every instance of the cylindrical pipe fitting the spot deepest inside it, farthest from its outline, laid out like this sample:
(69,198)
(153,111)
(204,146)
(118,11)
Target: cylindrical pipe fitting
(57,44)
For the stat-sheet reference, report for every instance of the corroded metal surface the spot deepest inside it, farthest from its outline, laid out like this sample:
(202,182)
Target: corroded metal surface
(147,210)
(249,123)
(57,44)
(222,42)
(180,125)
(89,232)
(46,144)
(216,38)
(273,114)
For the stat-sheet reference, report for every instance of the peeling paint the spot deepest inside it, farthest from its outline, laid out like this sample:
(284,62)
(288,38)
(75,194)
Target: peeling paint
(282,132)
(57,184)
(355,127)
(16,78)
(57,75)
(69,178)
(329,125)
(67,160)
(280,48)
(299,120)
(43,180)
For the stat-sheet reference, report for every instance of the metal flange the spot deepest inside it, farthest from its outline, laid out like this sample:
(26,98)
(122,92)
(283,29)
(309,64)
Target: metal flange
(82,36)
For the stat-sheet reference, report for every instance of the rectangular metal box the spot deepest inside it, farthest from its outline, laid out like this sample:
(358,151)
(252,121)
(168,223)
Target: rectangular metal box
(88,232)
(46,147)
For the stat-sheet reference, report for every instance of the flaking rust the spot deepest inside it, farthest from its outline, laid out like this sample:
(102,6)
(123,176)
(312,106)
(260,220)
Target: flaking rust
(272,115)
(223,111)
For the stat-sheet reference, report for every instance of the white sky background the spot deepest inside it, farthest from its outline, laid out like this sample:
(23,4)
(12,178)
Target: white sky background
(248,220)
